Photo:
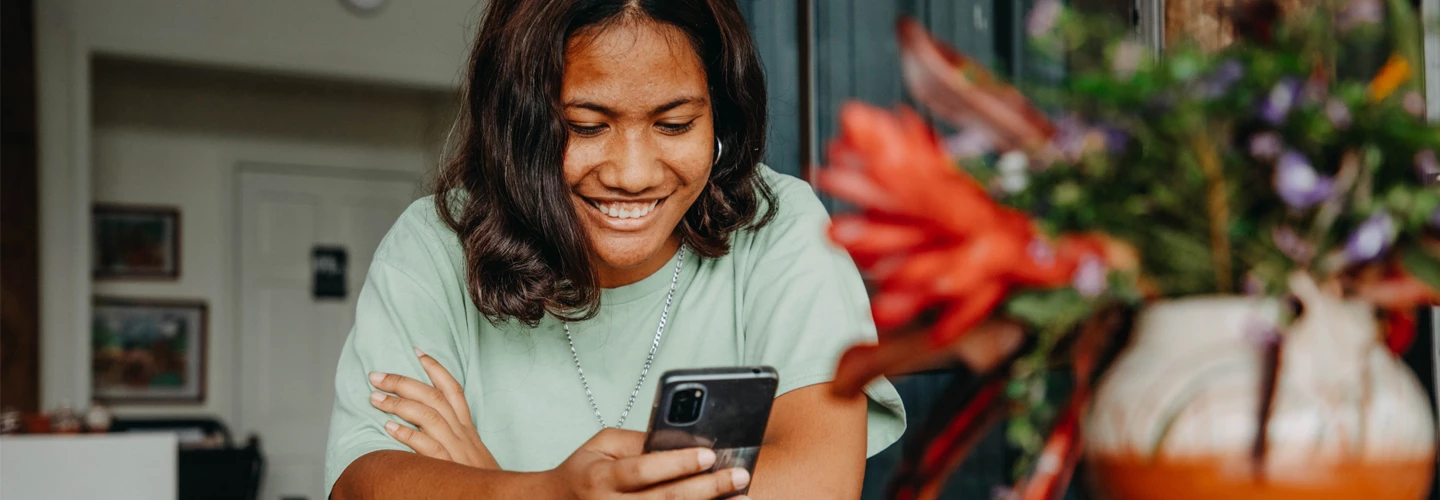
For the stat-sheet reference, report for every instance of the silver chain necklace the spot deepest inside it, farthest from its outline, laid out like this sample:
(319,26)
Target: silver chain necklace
(645,370)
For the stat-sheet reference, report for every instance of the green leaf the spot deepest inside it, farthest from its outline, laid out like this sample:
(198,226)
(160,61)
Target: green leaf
(1046,308)
(1422,265)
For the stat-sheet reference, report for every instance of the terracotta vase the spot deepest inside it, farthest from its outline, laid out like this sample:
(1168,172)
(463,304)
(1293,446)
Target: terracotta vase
(1175,418)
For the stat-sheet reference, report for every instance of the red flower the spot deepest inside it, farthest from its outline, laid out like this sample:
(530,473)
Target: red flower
(929,235)
(963,92)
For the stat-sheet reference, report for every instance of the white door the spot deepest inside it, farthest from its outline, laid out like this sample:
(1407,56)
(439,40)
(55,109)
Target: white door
(290,340)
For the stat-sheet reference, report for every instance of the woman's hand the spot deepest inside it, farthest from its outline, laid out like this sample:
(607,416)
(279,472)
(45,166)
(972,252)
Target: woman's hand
(612,465)
(446,431)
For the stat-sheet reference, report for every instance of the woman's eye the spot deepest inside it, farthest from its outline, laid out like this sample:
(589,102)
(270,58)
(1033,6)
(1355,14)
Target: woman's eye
(675,128)
(587,130)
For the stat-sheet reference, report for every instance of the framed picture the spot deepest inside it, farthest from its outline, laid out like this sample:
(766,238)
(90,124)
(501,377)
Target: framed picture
(135,242)
(148,351)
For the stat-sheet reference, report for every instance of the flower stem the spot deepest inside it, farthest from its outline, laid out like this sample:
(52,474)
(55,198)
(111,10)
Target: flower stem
(1218,208)
(1345,179)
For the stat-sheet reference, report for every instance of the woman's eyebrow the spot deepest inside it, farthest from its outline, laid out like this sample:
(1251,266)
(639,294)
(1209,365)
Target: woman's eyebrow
(677,103)
(607,111)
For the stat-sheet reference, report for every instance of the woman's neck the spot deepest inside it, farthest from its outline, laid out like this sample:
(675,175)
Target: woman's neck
(615,277)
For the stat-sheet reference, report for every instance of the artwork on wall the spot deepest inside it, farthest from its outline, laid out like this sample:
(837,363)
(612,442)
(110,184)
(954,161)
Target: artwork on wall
(148,351)
(135,242)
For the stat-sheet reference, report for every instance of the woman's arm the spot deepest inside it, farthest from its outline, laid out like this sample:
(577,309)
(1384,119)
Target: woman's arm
(400,474)
(610,465)
(815,442)
(814,447)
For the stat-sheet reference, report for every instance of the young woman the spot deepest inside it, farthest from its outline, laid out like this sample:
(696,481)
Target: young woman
(606,217)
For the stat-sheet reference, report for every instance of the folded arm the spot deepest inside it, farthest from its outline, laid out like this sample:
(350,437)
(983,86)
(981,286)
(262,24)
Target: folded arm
(401,474)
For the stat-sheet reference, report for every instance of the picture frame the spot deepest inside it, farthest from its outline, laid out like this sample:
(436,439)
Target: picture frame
(148,350)
(135,242)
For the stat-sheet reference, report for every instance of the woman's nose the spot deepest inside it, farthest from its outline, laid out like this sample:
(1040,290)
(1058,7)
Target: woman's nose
(635,164)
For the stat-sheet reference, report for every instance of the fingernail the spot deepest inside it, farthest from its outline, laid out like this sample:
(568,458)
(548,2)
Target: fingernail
(707,458)
(376,377)
(392,426)
(740,478)
(419,353)
(377,397)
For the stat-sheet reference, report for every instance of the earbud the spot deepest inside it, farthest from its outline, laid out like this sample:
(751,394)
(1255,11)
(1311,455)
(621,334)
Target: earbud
(719,148)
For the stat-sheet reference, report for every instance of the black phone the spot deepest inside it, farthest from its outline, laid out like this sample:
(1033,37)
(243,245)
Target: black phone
(724,409)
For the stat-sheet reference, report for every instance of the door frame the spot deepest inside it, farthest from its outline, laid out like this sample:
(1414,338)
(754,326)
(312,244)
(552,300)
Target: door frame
(235,237)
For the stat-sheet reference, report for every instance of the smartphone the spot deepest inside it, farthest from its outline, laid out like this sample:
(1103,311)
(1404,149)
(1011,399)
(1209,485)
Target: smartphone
(724,409)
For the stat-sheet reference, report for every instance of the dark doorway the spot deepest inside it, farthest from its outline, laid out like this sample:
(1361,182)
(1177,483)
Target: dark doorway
(19,264)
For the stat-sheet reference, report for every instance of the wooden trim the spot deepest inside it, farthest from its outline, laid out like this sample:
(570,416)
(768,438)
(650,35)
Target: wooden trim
(19,202)
(1150,22)
(170,212)
(203,356)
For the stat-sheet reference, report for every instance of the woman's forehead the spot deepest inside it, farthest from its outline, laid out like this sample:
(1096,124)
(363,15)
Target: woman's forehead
(632,62)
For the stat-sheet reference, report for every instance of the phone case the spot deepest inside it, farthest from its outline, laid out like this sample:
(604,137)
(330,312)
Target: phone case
(733,414)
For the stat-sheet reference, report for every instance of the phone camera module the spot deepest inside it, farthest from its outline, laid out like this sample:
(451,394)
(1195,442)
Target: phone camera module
(685,405)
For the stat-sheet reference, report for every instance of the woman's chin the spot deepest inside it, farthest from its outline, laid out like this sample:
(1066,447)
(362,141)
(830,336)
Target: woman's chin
(627,264)
(630,259)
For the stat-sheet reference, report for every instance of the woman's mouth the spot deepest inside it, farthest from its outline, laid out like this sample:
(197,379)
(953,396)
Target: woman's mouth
(625,210)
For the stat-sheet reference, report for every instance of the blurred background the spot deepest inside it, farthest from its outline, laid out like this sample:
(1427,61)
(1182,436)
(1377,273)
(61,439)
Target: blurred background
(192,191)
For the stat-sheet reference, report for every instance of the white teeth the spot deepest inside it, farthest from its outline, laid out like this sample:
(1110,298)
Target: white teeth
(614,210)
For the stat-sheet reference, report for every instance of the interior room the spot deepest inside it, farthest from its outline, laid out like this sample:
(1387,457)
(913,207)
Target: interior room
(194,192)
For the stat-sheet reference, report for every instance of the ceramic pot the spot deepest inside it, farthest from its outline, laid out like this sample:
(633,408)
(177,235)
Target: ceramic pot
(1176,416)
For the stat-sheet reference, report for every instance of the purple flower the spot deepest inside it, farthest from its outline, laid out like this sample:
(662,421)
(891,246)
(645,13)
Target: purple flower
(1219,81)
(1115,137)
(1371,239)
(1338,113)
(1265,146)
(1040,252)
(1043,17)
(1069,138)
(970,143)
(1414,103)
(1089,277)
(1291,244)
(1361,12)
(1298,183)
(1277,104)
(1427,167)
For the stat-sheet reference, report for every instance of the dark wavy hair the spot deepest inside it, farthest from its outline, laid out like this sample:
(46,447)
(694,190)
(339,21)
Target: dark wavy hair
(503,190)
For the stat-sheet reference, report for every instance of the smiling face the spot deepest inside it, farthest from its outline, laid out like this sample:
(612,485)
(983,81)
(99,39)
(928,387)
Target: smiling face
(641,142)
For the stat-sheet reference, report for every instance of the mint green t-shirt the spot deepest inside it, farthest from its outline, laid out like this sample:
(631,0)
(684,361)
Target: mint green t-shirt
(784,296)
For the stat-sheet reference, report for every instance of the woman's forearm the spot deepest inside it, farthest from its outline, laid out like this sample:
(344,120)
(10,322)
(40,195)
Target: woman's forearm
(399,474)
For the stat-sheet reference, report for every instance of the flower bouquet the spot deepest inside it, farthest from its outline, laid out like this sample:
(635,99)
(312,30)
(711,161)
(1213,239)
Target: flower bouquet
(1254,226)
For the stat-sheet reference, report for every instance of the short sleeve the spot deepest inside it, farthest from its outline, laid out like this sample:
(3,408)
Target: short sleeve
(401,307)
(805,304)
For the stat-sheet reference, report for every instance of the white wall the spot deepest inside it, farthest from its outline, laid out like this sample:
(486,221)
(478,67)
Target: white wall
(418,44)
(410,42)
(174,136)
